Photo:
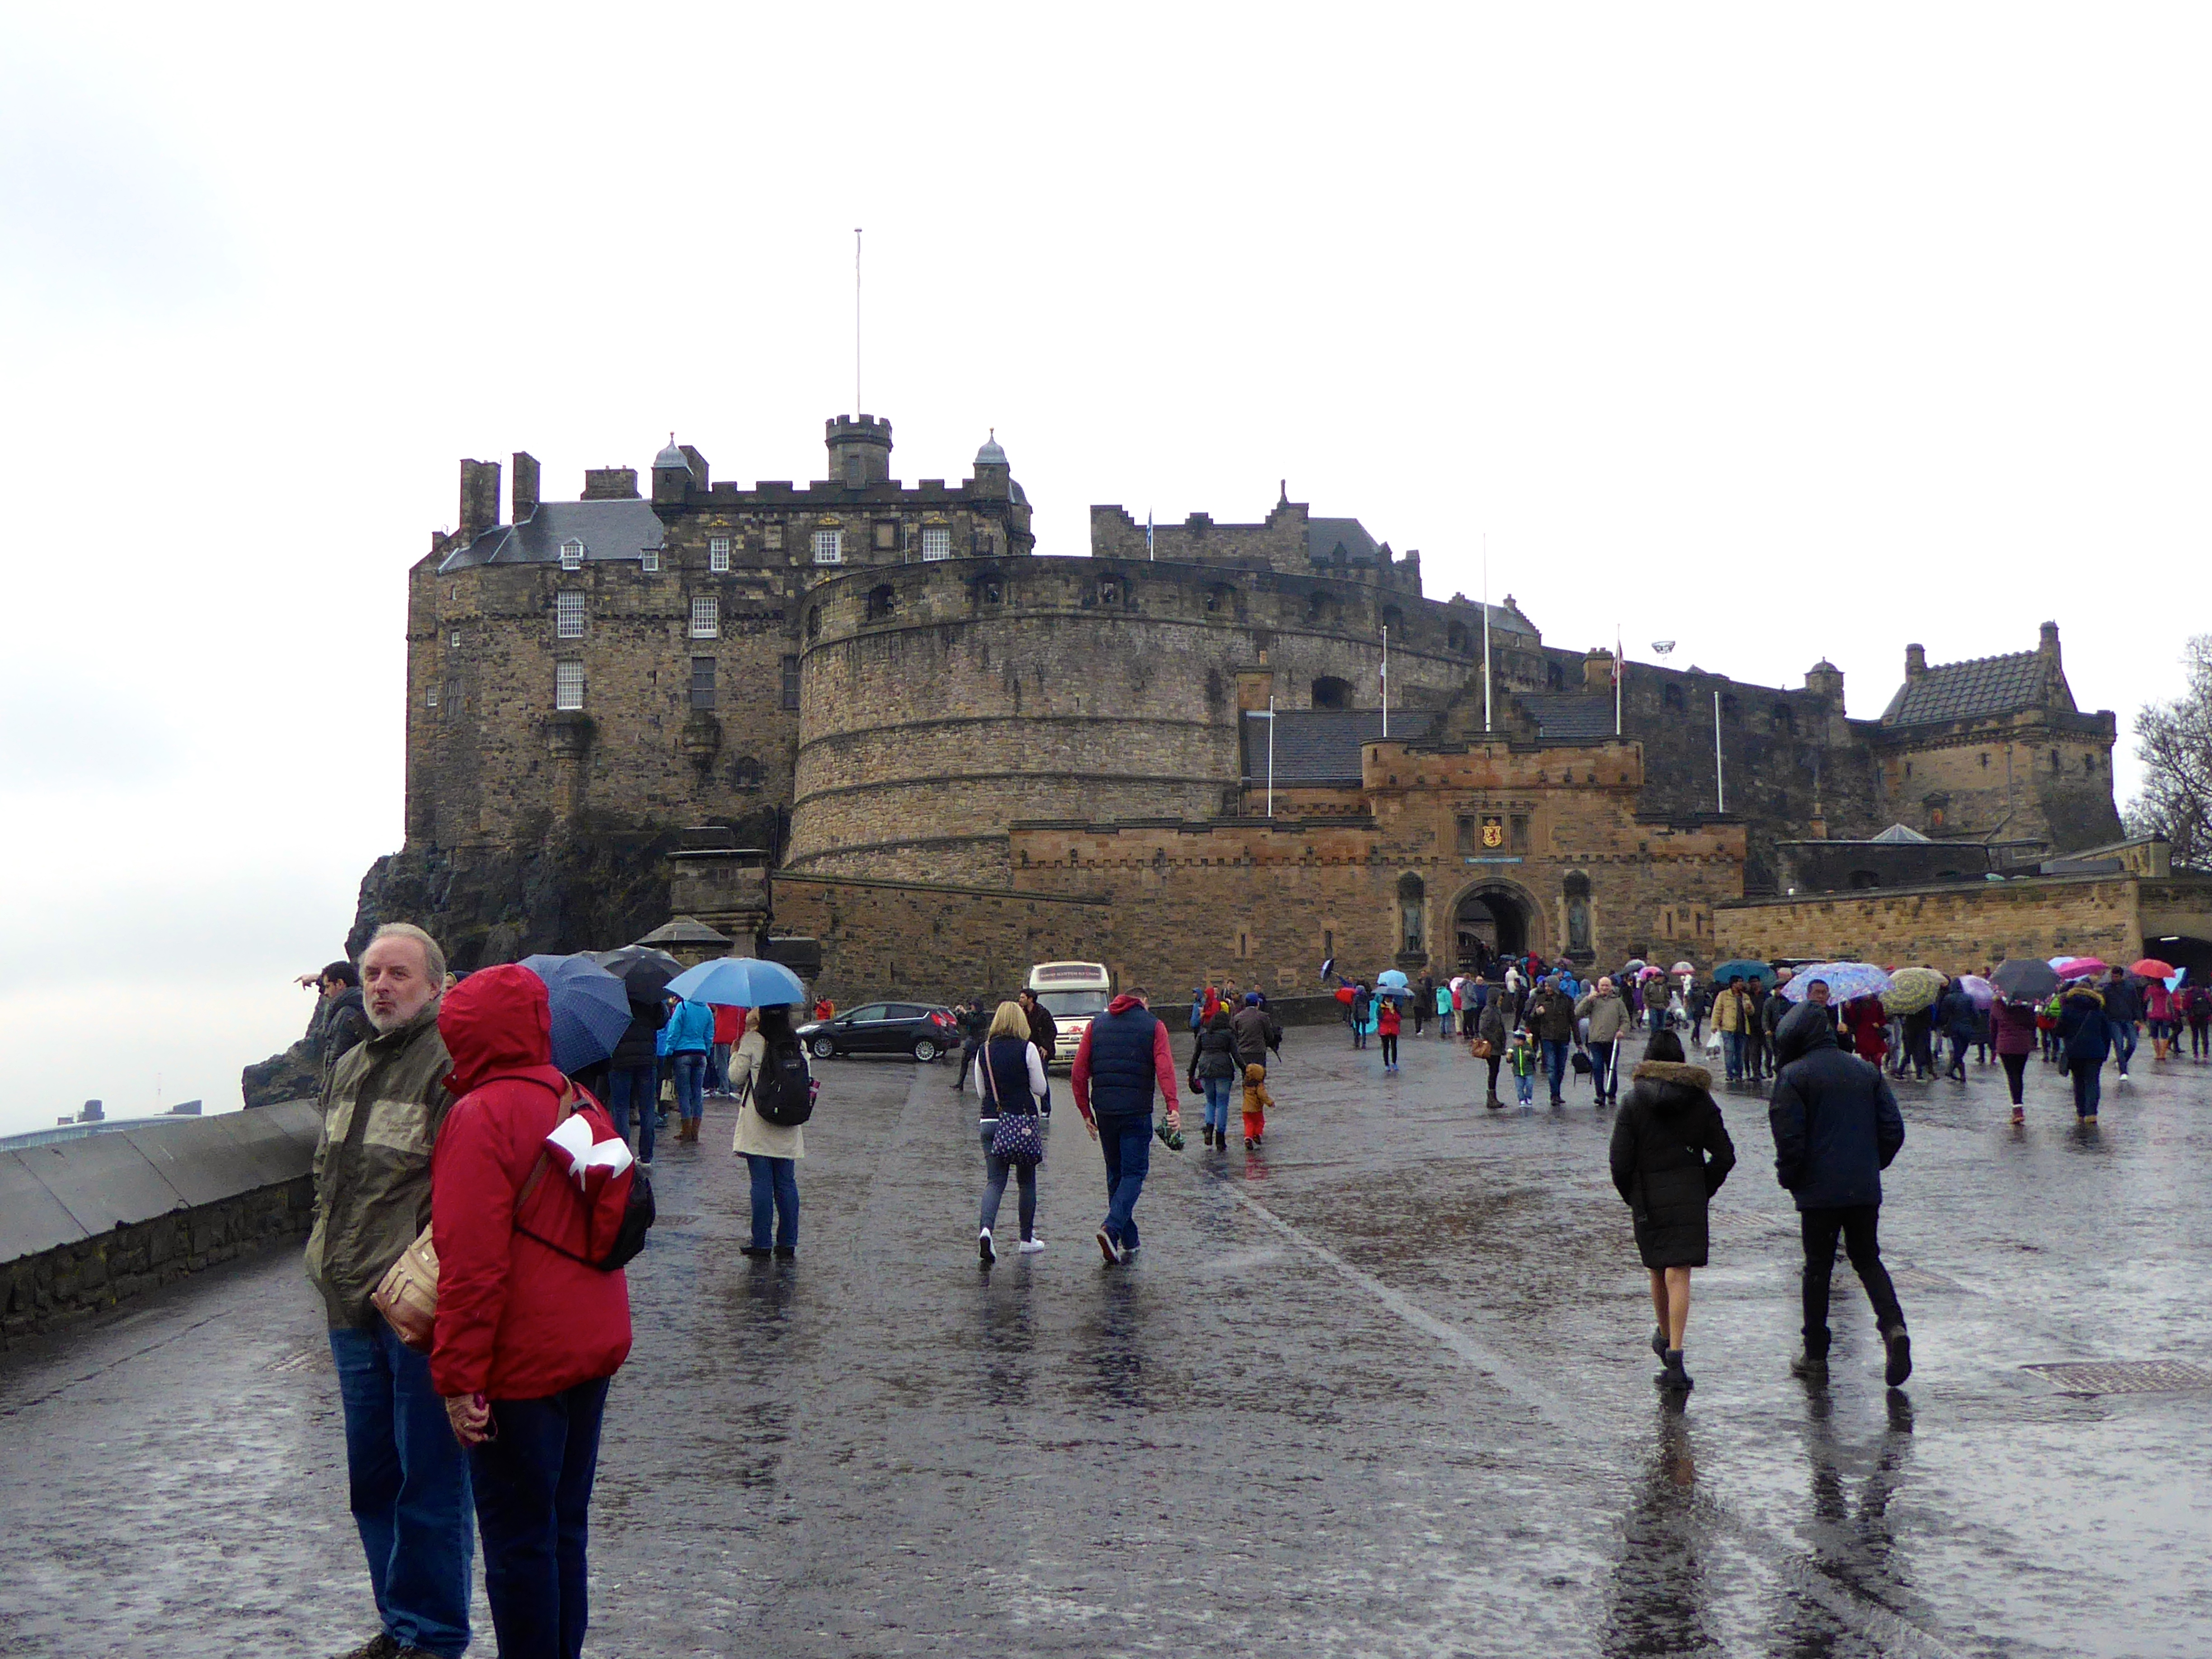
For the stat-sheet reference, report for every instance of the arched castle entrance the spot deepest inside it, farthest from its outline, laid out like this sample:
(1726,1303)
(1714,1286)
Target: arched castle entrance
(1493,918)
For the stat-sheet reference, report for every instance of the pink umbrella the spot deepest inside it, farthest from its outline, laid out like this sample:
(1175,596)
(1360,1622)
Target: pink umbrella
(1983,993)
(2080,967)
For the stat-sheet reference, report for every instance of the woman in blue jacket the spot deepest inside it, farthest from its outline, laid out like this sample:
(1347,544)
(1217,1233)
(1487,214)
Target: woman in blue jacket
(690,1034)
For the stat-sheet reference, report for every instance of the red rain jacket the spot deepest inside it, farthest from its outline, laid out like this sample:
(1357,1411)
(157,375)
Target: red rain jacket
(1386,1023)
(729,1023)
(517,1319)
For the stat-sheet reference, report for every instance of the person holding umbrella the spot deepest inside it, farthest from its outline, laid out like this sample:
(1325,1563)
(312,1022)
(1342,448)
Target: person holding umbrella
(2013,1033)
(634,1067)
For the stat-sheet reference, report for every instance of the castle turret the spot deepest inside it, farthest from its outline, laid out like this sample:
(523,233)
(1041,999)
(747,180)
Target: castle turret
(1825,679)
(994,477)
(859,450)
(2047,647)
(672,476)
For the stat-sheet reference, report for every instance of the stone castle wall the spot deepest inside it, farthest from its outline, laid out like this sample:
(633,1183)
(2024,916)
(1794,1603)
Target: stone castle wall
(943,701)
(1957,927)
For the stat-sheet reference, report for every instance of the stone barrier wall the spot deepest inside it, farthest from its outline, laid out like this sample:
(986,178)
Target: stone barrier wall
(1960,927)
(86,1223)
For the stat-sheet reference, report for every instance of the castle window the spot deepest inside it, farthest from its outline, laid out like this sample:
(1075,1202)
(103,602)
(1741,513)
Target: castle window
(455,642)
(1331,693)
(1672,696)
(1555,678)
(718,553)
(1393,620)
(1784,720)
(1456,637)
(886,534)
(1110,590)
(569,683)
(1985,762)
(702,682)
(791,681)
(2054,762)
(649,561)
(706,618)
(1517,833)
(1316,605)
(881,601)
(828,547)
(572,555)
(994,592)
(430,698)
(568,614)
(936,543)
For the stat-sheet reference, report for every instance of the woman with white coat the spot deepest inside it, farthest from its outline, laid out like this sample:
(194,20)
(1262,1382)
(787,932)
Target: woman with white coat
(1009,1083)
(771,1151)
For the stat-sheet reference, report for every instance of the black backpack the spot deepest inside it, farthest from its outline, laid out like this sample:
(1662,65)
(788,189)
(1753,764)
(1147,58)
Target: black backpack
(783,1089)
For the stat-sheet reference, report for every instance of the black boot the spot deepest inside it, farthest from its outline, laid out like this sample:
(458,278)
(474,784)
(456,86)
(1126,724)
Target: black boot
(1813,1367)
(1674,1378)
(1659,1340)
(1900,1356)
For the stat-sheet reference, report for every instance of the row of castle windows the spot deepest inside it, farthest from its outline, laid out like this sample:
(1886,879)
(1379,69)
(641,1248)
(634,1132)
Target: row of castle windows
(568,685)
(570,613)
(828,547)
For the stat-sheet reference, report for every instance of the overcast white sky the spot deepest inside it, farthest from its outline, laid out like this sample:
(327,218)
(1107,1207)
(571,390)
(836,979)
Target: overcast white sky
(1781,333)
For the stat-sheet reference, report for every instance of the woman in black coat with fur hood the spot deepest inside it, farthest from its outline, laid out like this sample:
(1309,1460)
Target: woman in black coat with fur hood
(1670,1153)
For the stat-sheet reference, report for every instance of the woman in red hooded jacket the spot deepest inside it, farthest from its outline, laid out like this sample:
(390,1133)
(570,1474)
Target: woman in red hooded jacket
(528,1334)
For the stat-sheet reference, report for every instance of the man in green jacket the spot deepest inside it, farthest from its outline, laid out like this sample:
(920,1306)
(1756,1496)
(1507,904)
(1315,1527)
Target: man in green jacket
(409,1477)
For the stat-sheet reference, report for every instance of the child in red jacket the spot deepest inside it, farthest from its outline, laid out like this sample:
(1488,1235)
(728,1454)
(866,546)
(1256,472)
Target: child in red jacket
(1386,1023)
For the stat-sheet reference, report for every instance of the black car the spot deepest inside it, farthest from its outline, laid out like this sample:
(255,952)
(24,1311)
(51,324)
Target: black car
(884,1027)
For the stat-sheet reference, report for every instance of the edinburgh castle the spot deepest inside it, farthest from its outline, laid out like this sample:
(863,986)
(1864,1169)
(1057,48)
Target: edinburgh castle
(954,756)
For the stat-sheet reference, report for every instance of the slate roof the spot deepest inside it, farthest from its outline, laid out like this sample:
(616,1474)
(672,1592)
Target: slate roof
(608,530)
(1569,717)
(1970,690)
(1322,745)
(1325,535)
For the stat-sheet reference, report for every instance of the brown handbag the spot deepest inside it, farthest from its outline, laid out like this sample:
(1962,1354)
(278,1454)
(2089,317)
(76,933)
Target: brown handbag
(407,1295)
(1480,1050)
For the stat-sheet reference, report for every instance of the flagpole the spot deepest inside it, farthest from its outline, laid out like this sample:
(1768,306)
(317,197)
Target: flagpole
(856,321)
(1720,785)
(1485,634)
(1619,673)
(1148,533)
(1271,757)
(1386,682)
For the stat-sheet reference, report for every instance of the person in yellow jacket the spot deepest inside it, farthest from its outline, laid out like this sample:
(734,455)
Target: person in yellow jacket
(1732,1015)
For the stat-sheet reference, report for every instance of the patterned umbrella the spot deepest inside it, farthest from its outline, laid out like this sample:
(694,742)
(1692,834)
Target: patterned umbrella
(1845,981)
(1683,968)
(590,1009)
(1911,989)
(1979,989)
(2023,979)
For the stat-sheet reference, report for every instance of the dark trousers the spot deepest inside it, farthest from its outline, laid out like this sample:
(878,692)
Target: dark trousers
(1496,1061)
(968,1052)
(2089,1085)
(2015,1067)
(1857,1225)
(1555,1063)
(533,1489)
(1602,1074)
(631,1088)
(1389,1049)
(1126,1142)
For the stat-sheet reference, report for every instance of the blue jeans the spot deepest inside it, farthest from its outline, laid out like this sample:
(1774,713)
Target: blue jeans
(690,1082)
(2123,1041)
(995,1171)
(1127,1142)
(1555,1063)
(408,1482)
(1217,1101)
(718,1067)
(1524,1086)
(776,1194)
(635,1087)
(533,1485)
(1732,1052)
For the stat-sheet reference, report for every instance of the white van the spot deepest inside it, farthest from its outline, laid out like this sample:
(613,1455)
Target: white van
(1072,992)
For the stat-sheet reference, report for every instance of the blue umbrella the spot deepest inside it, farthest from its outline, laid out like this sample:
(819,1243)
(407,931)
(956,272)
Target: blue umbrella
(1391,979)
(590,1009)
(1744,968)
(1845,981)
(738,983)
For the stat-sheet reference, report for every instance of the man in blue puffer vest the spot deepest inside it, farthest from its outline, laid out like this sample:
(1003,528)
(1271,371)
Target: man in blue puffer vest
(1123,1055)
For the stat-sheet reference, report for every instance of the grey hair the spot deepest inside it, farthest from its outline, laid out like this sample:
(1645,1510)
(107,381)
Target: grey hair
(433,959)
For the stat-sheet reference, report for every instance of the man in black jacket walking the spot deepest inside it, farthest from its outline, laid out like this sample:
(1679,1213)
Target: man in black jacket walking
(1836,1128)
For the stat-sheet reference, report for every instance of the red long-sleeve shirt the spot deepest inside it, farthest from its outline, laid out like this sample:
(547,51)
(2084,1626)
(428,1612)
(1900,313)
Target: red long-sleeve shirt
(1163,1067)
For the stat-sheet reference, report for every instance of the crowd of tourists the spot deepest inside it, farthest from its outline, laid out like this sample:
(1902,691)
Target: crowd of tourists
(475,1204)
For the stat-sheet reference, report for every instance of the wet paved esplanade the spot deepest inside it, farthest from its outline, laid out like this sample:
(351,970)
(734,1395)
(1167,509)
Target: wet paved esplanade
(1380,1389)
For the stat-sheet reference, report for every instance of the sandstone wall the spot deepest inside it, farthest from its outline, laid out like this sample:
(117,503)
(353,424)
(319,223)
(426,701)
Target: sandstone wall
(1958,928)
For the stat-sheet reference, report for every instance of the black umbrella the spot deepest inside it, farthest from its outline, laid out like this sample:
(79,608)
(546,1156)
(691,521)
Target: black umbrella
(2023,979)
(644,971)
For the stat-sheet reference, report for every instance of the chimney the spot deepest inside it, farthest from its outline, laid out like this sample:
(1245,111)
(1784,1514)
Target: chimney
(1598,670)
(479,498)
(610,483)
(2047,647)
(92,1112)
(1916,661)
(524,486)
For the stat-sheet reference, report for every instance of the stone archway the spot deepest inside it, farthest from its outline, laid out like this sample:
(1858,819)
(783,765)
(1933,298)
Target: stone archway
(1493,918)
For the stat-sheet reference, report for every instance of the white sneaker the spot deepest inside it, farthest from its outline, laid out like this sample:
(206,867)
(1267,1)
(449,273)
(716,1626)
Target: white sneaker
(1031,1246)
(985,1248)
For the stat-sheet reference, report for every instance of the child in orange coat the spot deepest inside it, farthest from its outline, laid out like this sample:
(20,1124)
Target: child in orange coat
(1256,1101)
